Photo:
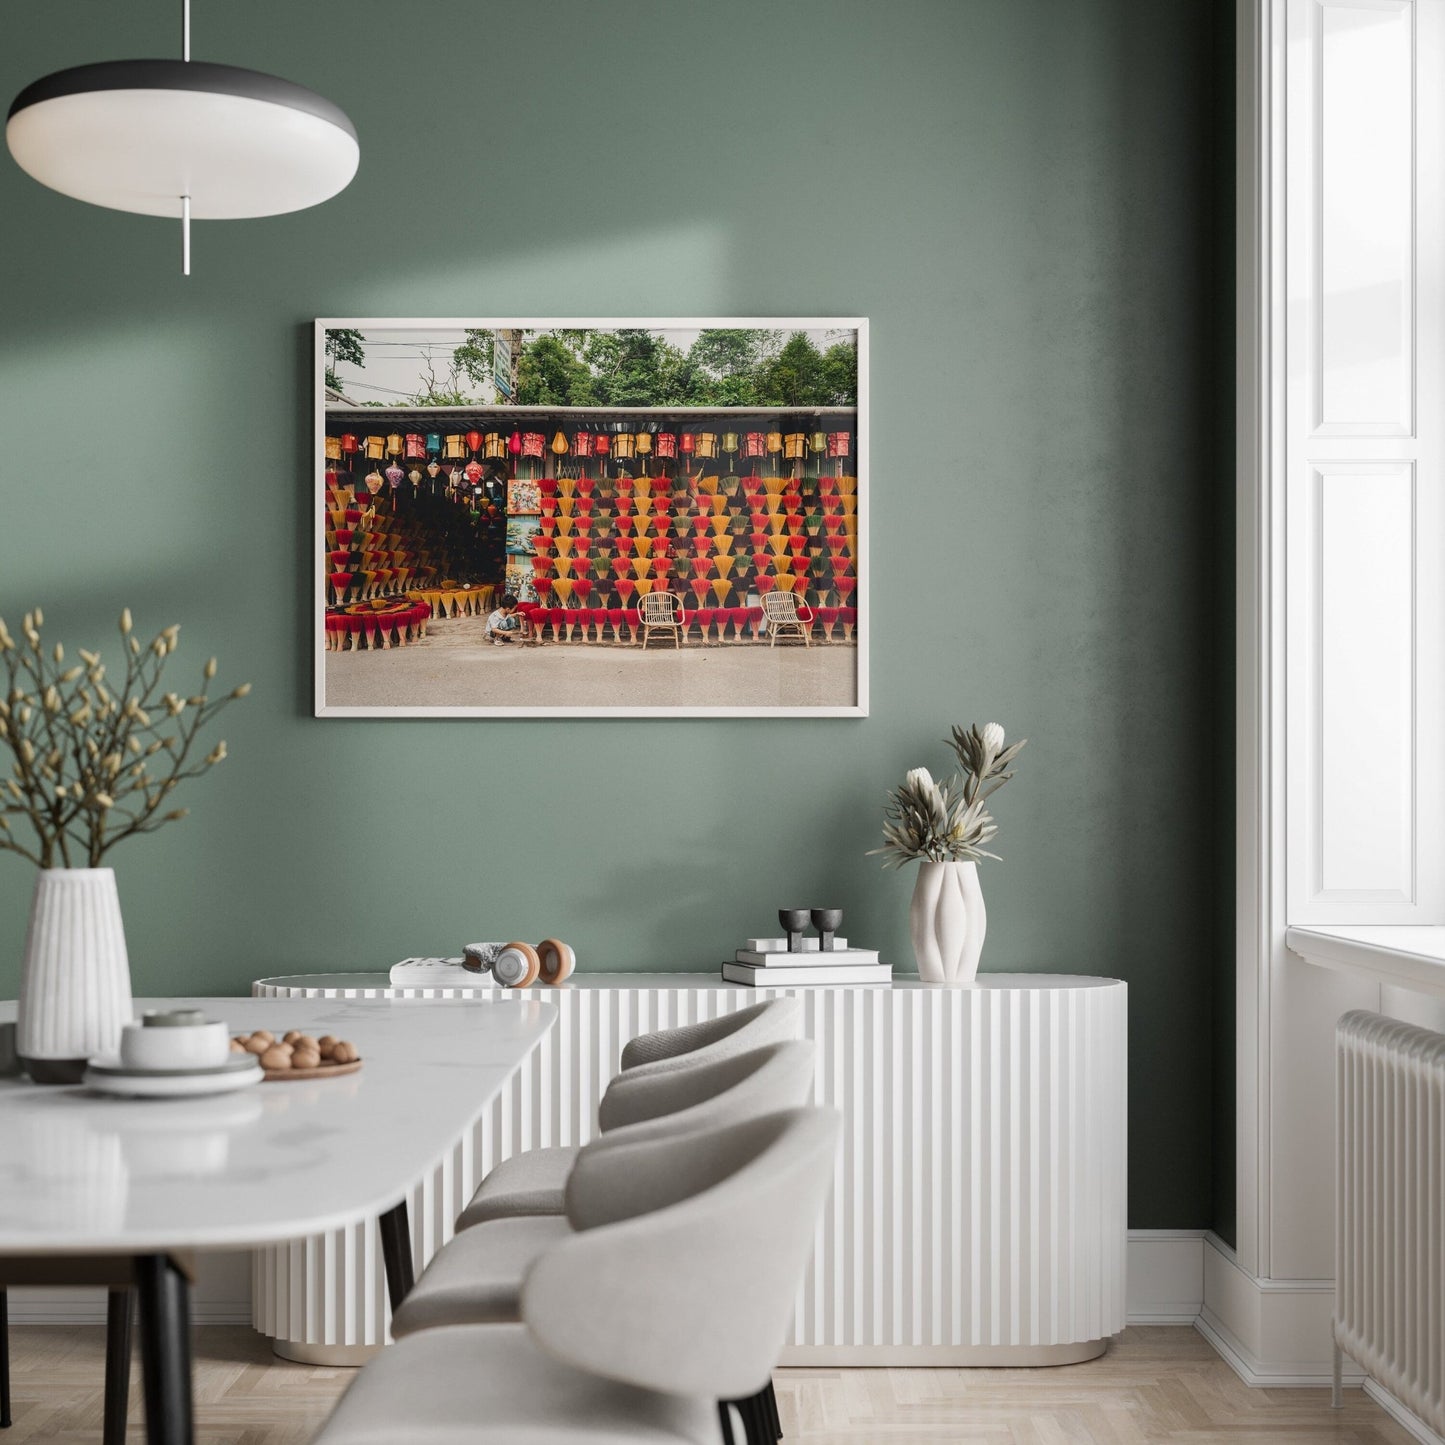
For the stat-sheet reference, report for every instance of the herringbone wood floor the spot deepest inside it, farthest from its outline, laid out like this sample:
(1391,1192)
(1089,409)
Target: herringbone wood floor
(1155,1384)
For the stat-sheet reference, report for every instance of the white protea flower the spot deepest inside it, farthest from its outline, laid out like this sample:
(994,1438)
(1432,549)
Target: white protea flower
(993,737)
(921,780)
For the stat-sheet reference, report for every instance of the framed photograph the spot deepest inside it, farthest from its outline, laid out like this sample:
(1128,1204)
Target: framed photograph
(604,518)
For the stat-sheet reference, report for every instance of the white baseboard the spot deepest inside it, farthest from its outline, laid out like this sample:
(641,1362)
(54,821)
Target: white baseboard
(1166,1276)
(1406,1418)
(1274,1332)
(221,1296)
(87,1307)
(1166,1287)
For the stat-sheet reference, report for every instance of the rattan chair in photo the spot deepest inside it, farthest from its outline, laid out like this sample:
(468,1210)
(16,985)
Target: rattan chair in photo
(661,612)
(781,612)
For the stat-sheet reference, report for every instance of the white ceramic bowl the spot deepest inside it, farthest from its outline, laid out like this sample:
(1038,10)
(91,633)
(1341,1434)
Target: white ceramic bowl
(184,1046)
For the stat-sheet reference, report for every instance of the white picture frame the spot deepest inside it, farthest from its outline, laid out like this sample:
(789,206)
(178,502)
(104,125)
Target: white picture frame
(374,687)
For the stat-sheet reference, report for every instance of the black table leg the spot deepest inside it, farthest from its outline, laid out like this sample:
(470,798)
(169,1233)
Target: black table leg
(395,1230)
(4,1361)
(118,1314)
(164,1296)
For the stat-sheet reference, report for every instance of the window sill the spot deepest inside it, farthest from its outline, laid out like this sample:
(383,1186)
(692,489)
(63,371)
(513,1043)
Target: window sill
(1402,955)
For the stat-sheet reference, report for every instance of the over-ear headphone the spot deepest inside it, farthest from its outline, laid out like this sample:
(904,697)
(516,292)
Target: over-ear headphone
(516,965)
(557,959)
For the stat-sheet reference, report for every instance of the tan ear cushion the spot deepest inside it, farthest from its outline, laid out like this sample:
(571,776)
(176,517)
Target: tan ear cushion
(517,966)
(558,959)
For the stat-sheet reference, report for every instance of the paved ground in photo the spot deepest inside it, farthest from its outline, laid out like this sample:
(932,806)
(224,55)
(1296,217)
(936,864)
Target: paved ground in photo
(455,667)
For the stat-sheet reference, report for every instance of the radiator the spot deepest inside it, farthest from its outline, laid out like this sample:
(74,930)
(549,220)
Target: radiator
(1390,1208)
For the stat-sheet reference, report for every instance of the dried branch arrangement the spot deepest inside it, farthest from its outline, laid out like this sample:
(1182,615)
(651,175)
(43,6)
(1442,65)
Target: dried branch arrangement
(949,822)
(96,762)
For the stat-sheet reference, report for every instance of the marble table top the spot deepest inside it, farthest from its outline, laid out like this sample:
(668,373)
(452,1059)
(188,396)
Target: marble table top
(84,1173)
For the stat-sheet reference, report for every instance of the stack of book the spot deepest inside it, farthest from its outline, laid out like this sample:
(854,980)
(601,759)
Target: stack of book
(438,973)
(766,963)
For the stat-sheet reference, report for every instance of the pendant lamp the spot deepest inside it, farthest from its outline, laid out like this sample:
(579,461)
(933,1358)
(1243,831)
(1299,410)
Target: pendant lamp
(182,138)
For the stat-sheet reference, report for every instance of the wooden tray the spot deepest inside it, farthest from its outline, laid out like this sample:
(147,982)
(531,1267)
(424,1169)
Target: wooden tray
(321,1071)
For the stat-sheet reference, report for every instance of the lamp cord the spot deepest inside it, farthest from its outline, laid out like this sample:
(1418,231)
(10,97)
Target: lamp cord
(186,200)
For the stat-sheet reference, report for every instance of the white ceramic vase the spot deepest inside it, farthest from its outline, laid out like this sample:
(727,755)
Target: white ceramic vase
(947,921)
(75,976)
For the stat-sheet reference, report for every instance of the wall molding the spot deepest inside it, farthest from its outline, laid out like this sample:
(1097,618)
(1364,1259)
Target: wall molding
(1166,1287)
(87,1307)
(1273,1332)
(1166,1276)
(1403,1416)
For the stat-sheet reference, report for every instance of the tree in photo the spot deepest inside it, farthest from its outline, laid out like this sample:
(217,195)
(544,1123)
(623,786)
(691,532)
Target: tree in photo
(801,375)
(343,345)
(473,358)
(840,374)
(794,377)
(725,362)
(636,367)
(550,373)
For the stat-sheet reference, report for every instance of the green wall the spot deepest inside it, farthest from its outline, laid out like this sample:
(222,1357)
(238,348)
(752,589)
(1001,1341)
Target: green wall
(1017,193)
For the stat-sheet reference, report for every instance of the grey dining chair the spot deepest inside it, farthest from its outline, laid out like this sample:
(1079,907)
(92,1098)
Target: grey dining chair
(635,1327)
(477,1277)
(532,1182)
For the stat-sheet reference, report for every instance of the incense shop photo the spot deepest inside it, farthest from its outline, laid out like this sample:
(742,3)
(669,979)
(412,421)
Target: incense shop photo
(634,519)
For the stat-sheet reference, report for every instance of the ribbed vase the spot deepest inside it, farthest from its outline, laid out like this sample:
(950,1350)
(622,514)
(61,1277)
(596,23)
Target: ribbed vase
(75,976)
(947,921)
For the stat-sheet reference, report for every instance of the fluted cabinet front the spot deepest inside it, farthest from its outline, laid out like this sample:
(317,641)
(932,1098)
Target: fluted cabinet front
(978,1209)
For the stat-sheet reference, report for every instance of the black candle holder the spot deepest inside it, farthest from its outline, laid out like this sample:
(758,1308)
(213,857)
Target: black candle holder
(794,921)
(827,921)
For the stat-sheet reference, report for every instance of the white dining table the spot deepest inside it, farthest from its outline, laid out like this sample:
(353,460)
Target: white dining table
(119,1192)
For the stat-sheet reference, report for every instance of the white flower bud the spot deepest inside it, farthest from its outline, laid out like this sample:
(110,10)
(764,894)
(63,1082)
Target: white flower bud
(920,779)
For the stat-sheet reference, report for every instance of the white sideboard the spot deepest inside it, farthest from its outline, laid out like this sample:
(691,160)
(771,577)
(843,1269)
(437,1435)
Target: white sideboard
(978,1211)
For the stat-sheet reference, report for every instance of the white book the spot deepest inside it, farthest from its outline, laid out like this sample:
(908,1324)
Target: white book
(755,975)
(438,973)
(780,945)
(836,958)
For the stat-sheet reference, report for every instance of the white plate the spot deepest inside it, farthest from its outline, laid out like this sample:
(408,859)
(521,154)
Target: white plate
(107,1075)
